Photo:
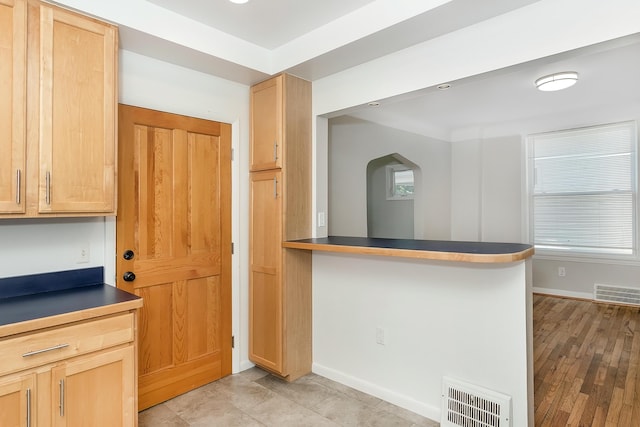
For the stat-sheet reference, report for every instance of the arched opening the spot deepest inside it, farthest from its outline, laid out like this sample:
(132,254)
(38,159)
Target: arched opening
(392,186)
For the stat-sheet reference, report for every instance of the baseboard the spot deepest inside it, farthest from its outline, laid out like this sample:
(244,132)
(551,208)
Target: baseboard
(244,365)
(563,293)
(406,402)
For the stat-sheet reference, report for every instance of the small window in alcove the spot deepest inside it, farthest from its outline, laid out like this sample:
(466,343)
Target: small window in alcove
(399,182)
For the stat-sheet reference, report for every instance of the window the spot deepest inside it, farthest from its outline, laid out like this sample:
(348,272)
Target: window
(583,190)
(399,182)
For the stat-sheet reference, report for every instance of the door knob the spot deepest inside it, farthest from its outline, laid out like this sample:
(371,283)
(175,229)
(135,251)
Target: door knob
(128,254)
(129,276)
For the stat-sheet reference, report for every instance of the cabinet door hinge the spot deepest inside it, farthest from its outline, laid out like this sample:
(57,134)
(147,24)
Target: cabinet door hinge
(233,341)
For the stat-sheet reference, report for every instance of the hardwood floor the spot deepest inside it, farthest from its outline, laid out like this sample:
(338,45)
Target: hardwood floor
(586,363)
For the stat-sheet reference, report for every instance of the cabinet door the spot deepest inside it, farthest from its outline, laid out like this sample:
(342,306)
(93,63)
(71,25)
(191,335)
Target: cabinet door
(17,398)
(77,113)
(265,287)
(266,125)
(96,390)
(13,45)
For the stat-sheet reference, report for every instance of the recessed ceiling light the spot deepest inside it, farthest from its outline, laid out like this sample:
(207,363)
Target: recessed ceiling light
(239,1)
(373,104)
(557,81)
(444,86)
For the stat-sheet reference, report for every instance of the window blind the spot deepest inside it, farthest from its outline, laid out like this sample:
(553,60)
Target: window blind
(584,189)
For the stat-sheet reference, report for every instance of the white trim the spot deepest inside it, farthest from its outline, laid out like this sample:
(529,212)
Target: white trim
(562,293)
(589,260)
(403,401)
(244,365)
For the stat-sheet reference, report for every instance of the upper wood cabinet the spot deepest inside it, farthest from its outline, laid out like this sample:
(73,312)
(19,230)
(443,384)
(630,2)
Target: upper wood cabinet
(13,83)
(63,144)
(77,113)
(266,124)
(280,117)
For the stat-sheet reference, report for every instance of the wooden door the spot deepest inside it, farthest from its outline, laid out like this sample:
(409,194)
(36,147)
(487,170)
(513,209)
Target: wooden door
(175,216)
(17,401)
(265,287)
(78,69)
(95,390)
(13,51)
(266,124)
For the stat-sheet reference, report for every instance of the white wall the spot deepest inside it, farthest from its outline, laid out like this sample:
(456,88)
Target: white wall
(354,143)
(42,245)
(462,320)
(487,183)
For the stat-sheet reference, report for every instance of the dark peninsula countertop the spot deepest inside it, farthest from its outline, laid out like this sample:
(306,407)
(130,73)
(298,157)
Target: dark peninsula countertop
(43,300)
(444,250)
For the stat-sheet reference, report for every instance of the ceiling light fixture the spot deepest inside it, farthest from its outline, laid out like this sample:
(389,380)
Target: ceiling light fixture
(373,104)
(239,1)
(557,81)
(444,86)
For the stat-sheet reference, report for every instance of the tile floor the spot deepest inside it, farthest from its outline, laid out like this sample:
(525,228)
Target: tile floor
(255,398)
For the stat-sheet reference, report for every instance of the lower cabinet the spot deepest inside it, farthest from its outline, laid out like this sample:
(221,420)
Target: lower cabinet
(17,398)
(86,379)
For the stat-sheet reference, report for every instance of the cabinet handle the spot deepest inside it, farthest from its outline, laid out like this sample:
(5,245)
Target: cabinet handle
(47,195)
(62,398)
(44,350)
(275,188)
(275,151)
(28,407)
(18,185)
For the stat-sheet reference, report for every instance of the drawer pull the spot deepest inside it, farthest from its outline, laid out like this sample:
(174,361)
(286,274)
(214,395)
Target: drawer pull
(44,350)
(61,406)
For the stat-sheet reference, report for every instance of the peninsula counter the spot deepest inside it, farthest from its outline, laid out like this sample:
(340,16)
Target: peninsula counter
(393,317)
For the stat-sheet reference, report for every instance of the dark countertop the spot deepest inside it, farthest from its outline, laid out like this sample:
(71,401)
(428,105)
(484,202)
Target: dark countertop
(36,297)
(45,304)
(446,250)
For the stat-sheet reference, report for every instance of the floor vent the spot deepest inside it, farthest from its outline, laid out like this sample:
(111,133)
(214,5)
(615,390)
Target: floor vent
(467,405)
(616,294)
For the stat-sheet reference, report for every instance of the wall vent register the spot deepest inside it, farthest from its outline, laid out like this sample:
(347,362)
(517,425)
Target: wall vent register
(467,405)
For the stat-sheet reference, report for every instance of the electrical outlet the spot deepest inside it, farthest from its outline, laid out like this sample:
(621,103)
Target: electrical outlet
(380,336)
(83,254)
(562,272)
(321,219)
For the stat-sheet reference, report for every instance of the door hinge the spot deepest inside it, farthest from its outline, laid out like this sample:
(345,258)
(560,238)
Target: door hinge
(232,248)
(232,153)
(233,341)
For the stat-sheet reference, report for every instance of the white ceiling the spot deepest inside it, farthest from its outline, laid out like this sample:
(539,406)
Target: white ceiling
(266,23)
(316,38)
(506,102)
(309,38)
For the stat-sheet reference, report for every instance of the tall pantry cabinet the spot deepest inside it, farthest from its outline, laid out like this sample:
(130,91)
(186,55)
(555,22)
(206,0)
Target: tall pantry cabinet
(280,210)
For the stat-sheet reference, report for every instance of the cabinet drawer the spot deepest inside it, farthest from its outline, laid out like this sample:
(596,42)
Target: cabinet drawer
(39,348)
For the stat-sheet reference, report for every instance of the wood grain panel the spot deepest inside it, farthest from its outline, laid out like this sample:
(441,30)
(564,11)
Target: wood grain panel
(265,285)
(13,81)
(266,139)
(155,322)
(77,125)
(13,399)
(175,216)
(93,376)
